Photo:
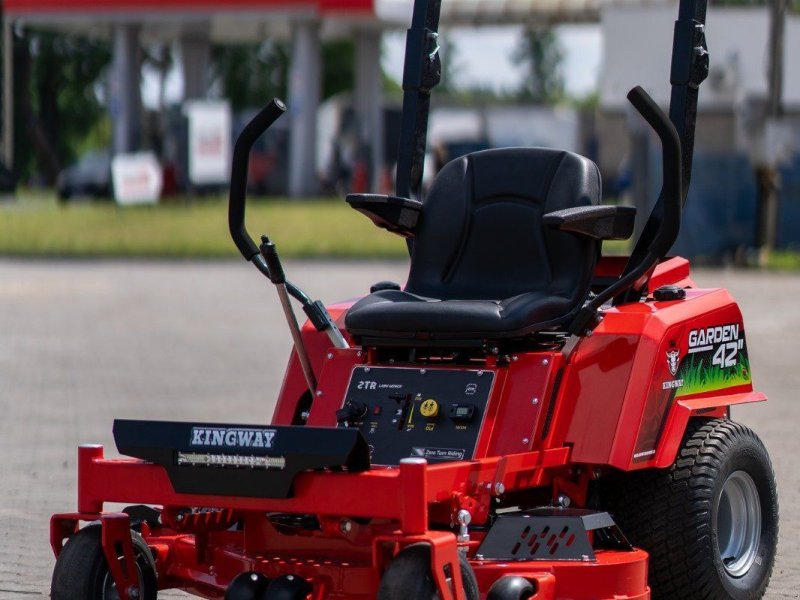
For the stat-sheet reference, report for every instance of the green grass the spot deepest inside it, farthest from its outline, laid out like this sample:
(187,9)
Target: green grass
(784,260)
(699,377)
(35,225)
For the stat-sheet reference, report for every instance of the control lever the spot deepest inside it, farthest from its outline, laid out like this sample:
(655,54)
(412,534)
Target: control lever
(270,266)
(269,263)
(265,257)
(277,277)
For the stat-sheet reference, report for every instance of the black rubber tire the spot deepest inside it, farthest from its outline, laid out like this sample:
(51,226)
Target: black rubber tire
(81,569)
(287,587)
(671,513)
(409,576)
(247,586)
(511,587)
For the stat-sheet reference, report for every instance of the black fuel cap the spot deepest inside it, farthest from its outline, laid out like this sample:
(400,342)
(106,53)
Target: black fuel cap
(384,285)
(669,292)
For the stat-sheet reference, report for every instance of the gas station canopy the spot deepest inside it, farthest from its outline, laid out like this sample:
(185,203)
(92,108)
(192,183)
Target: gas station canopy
(196,24)
(247,20)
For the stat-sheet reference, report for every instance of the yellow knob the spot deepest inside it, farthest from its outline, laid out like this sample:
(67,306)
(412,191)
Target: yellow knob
(429,408)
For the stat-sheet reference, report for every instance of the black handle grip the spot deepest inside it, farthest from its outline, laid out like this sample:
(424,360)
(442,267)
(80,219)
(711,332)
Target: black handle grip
(672,186)
(667,227)
(238,191)
(273,261)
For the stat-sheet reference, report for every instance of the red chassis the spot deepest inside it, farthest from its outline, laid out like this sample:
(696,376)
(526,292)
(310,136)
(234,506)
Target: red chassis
(555,421)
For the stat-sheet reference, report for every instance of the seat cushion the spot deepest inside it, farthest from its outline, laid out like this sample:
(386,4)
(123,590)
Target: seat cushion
(404,315)
(483,264)
(481,234)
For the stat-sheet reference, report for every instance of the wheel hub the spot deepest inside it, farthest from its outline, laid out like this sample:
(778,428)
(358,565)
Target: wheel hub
(110,591)
(738,523)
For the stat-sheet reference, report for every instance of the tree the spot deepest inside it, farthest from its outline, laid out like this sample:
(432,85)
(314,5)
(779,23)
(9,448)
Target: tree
(57,80)
(338,67)
(541,54)
(249,75)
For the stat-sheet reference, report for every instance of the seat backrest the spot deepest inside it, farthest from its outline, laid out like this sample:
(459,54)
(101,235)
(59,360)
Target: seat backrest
(482,236)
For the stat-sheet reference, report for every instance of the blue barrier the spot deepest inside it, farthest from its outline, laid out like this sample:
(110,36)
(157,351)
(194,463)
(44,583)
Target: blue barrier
(721,211)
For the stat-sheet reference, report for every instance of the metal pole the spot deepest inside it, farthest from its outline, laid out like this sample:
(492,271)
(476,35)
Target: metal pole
(368,102)
(305,75)
(125,89)
(767,175)
(8,94)
(777,31)
(195,50)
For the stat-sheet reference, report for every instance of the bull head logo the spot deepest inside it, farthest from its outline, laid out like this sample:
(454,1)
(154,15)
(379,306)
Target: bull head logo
(672,361)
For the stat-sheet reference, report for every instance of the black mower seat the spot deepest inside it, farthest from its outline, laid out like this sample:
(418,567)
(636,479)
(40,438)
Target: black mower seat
(483,264)
(417,315)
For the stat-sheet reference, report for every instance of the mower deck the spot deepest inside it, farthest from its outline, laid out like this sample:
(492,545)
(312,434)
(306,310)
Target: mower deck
(201,551)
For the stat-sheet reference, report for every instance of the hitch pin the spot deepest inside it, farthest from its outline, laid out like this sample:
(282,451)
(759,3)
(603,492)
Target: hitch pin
(464,519)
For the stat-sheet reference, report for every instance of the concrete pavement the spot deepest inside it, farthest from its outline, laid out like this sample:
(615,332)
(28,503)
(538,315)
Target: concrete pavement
(84,342)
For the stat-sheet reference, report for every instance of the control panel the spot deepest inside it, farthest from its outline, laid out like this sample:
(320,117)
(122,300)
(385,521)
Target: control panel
(434,414)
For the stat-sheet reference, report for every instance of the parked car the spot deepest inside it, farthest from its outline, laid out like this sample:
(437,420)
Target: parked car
(8,182)
(89,177)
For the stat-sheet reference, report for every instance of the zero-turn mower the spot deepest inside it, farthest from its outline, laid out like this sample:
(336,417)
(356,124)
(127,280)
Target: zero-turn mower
(524,419)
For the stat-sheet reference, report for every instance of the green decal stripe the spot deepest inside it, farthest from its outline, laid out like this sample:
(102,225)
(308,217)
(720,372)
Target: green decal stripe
(699,376)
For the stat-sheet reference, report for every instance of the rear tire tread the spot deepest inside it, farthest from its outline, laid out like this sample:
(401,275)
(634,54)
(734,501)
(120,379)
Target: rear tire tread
(671,509)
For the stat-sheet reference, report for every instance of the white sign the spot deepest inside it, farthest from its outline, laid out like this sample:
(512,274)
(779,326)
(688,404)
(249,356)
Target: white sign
(137,178)
(779,141)
(209,141)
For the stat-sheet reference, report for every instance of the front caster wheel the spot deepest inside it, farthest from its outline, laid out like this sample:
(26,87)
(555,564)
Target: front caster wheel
(409,576)
(710,522)
(81,571)
(511,587)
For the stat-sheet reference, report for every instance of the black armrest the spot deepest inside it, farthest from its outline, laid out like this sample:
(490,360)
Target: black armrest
(597,222)
(398,215)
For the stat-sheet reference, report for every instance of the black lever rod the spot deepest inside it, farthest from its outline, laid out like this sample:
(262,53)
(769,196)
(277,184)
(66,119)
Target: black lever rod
(421,73)
(670,198)
(241,159)
(690,65)
(238,192)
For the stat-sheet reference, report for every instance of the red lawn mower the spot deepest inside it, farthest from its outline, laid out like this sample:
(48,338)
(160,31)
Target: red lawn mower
(525,419)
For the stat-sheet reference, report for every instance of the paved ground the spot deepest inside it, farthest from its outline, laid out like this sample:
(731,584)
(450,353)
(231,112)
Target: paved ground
(82,343)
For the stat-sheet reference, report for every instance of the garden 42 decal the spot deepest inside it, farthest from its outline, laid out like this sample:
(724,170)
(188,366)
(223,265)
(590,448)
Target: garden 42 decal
(723,340)
(716,359)
(707,359)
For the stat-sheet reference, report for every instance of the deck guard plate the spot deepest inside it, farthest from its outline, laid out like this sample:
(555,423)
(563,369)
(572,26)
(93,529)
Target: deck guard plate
(239,460)
(551,534)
